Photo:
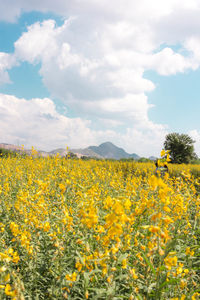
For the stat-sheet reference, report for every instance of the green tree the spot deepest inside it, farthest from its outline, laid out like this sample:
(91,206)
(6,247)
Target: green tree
(144,160)
(181,147)
(6,152)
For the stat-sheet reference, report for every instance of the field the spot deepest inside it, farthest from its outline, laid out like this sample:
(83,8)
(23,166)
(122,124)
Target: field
(72,229)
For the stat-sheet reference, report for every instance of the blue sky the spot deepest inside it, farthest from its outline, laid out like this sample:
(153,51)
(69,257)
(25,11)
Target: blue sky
(78,74)
(177,100)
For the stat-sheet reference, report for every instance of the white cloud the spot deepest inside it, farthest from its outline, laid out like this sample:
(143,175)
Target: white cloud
(192,44)
(107,59)
(99,79)
(167,62)
(40,125)
(7,61)
(38,43)
(78,78)
(195,135)
(131,108)
(151,137)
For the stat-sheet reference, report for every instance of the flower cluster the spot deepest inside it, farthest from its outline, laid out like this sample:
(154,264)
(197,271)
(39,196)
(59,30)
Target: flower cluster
(73,229)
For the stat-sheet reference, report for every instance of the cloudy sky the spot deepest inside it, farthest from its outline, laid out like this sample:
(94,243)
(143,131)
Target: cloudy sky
(81,72)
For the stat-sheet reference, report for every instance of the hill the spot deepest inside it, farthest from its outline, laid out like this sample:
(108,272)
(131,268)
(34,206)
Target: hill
(105,150)
(109,150)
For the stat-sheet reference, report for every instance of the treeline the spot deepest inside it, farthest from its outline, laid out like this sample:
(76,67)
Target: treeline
(6,152)
(11,153)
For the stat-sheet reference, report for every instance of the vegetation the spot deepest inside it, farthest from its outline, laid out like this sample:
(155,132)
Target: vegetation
(74,229)
(144,159)
(71,155)
(6,152)
(181,148)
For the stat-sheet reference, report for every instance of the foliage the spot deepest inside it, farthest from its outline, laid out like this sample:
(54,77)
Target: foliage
(73,229)
(195,161)
(6,152)
(127,159)
(71,155)
(144,159)
(181,148)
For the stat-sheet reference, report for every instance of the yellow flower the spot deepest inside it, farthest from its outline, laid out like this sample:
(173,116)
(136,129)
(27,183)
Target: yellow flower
(104,269)
(195,295)
(62,188)
(162,153)
(143,247)
(74,275)
(5,257)
(154,229)
(124,263)
(168,158)
(46,226)
(170,262)
(153,182)
(79,266)
(161,252)
(187,251)
(183,284)
(7,278)
(9,291)
(179,270)
(71,277)
(132,271)
(109,279)
(127,204)
(3,269)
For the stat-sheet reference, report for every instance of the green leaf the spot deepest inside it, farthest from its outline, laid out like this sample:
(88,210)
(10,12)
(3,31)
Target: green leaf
(80,257)
(86,278)
(139,297)
(171,281)
(149,263)
(121,257)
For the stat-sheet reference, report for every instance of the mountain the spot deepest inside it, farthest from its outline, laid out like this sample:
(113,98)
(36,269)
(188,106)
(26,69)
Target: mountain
(152,158)
(109,150)
(60,151)
(104,150)
(20,149)
(10,147)
(78,152)
(86,152)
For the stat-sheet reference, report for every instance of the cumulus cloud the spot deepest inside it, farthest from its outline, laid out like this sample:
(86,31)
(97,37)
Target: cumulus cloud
(88,59)
(40,125)
(97,75)
(195,135)
(129,109)
(151,136)
(7,61)
(167,62)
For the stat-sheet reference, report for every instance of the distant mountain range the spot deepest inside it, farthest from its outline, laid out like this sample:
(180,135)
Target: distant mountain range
(105,150)
(109,150)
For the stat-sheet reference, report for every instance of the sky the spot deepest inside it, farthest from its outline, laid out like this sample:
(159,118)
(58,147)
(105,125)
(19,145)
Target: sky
(75,73)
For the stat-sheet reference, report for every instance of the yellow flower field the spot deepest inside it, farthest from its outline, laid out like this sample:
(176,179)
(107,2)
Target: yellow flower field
(72,229)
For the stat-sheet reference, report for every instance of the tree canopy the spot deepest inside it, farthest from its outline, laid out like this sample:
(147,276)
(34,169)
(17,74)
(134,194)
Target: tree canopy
(181,147)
